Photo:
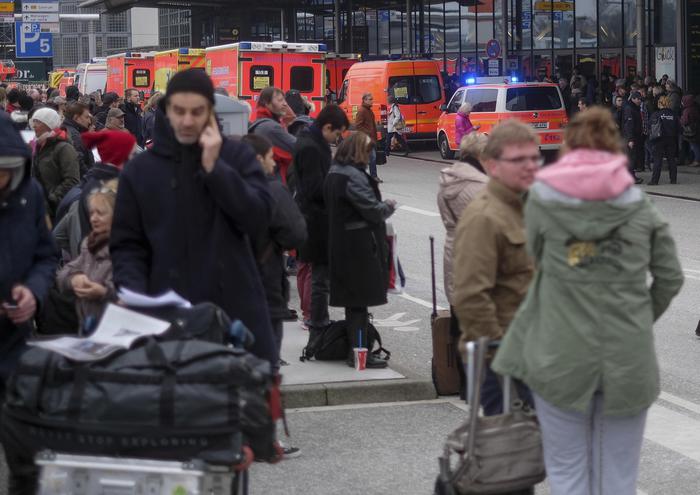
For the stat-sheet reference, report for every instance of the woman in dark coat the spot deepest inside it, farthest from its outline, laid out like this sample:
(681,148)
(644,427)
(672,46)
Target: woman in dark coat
(358,253)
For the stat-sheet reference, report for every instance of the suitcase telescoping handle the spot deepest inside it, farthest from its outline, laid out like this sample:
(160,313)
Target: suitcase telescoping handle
(432,275)
(471,371)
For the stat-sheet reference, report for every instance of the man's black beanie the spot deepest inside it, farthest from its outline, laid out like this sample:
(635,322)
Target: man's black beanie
(191,81)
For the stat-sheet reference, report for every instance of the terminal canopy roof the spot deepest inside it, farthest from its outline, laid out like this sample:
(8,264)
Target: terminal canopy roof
(119,5)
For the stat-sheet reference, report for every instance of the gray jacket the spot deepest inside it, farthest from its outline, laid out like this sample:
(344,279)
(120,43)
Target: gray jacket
(274,132)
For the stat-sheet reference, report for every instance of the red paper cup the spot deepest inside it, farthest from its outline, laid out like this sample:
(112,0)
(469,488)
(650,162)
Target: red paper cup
(360,358)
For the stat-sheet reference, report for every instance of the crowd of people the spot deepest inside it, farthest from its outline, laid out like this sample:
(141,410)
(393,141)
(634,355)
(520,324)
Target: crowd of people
(107,196)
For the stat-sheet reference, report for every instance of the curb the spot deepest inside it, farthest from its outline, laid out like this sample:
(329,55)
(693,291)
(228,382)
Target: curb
(341,393)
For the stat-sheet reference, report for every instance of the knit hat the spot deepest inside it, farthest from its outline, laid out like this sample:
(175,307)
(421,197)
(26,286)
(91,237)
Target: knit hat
(49,117)
(191,81)
(635,95)
(114,147)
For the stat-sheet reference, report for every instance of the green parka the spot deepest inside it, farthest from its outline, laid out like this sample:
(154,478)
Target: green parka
(586,322)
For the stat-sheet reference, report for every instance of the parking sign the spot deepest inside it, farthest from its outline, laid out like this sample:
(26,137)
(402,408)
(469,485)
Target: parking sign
(30,42)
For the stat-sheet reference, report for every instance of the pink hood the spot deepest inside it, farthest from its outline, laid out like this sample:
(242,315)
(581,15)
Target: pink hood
(590,175)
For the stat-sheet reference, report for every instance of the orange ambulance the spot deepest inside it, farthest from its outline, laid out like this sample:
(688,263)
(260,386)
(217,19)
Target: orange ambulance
(246,68)
(539,105)
(130,70)
(415,84)
(167,63)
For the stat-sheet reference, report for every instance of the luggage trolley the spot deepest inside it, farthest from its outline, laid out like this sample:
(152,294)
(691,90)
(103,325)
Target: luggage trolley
(67,474)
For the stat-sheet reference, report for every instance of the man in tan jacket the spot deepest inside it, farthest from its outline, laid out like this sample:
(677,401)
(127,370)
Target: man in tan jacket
(365,121)
(492,270)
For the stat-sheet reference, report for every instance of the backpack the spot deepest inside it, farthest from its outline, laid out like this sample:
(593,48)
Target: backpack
(331,343)
(690,130)
(655,131)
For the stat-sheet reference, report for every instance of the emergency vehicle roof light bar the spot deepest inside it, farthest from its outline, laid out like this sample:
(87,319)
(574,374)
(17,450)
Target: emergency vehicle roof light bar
(260,46)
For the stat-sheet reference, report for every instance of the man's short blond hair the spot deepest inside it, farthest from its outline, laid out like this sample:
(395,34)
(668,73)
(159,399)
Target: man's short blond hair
(472,146)
(508,133)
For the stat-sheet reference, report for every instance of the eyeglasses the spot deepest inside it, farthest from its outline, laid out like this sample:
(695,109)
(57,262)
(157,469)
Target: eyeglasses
(521,161)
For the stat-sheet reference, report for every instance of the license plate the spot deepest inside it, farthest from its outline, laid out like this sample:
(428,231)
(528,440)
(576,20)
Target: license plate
(540,125)
(407,129)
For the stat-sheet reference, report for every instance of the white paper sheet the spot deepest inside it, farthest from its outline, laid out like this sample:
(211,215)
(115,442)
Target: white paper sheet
(136,300)
(118,329)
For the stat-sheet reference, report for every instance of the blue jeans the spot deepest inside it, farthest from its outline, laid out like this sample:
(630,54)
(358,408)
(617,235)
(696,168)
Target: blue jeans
(373,163)
(695,147)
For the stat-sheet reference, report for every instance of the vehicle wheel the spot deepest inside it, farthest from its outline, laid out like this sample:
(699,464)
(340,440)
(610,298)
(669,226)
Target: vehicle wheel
(445,152)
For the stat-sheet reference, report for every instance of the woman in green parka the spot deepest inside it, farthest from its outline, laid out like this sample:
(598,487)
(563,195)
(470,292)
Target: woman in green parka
(582,340)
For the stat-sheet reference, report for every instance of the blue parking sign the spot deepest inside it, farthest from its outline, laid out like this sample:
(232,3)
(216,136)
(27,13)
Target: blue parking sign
(30,42)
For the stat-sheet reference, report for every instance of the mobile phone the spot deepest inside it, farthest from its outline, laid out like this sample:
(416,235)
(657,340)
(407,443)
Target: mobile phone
(12,305)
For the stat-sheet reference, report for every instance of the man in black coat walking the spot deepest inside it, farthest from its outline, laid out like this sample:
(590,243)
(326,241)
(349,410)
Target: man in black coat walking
(311,163)
(186,209)
(76,121)
(632,131)
(133,116)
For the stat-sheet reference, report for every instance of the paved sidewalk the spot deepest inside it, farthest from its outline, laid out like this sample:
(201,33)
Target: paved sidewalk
(322,383)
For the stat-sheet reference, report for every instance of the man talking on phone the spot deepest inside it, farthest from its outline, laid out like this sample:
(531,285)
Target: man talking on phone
(186,208)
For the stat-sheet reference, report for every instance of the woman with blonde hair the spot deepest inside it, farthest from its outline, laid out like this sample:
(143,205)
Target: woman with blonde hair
(358,253)
(89,276)
(582,339)
(149,116)
(459,184)
(666,143)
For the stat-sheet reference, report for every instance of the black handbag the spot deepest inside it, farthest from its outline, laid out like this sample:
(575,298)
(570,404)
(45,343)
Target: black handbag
(381,157)
(174,400)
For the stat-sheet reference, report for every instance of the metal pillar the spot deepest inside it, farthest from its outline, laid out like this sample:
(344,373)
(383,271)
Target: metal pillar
(351,19)
(641,39)
(409,30)
(504,41)
(421,27)
(338,30)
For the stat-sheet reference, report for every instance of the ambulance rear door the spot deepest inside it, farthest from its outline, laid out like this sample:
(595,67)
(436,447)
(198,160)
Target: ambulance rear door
(258,70)
(222,66)
(165,66)
(139,75)
(115,75)
(305,72)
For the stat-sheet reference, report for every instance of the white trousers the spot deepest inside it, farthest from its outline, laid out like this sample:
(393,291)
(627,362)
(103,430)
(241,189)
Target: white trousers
(590,454)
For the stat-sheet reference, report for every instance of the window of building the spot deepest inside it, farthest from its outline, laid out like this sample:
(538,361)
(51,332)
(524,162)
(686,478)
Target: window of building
(455,102)
(542,34)
(665,21)
(302,79)
(482,100)
(117,43)
(70,51)
(468,25)
(563,21)
(586,24)
(117,23)
(343,92)
(428,89)
(520,19)
(630,8)
(532,98)
(261,76)
(383,30)
(610,24)
(452,26)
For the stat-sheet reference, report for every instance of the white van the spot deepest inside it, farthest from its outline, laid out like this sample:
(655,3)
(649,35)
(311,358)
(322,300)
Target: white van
(91,77)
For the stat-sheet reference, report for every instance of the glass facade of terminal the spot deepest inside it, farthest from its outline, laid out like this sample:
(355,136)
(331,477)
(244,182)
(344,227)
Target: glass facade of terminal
(545,38)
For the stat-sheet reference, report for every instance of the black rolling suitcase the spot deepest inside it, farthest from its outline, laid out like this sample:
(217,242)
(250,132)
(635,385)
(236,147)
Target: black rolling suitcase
(445,367)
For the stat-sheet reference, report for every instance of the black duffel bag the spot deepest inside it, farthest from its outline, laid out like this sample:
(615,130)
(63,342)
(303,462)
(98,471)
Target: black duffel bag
(174,400)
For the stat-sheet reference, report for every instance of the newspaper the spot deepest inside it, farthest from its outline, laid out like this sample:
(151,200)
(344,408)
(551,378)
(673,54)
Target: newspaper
(118,329)
(136,300)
